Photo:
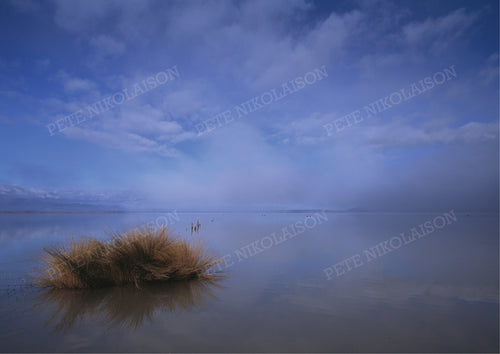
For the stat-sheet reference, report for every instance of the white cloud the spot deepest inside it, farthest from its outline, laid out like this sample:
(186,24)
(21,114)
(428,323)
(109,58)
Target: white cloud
(92,16)
(398,134)
(77,15)
(227,52)
(121,140)
(146,120)
(107,46)
(135,127)
(72,84)
(438,33)
(231,158)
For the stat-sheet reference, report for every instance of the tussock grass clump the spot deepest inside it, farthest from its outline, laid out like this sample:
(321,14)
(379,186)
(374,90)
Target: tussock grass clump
(134,257)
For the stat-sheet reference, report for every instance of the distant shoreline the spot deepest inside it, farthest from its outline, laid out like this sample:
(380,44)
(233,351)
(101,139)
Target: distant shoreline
(59,212)
(264,212)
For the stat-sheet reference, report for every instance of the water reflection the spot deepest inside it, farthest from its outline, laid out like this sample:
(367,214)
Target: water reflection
(125,306)
(439,294)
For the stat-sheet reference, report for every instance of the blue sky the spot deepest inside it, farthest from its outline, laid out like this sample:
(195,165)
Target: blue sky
(438,150)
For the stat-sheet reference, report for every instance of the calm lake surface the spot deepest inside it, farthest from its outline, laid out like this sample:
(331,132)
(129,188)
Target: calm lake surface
(438,293)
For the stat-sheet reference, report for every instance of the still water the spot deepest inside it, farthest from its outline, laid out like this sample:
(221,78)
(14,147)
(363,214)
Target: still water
(437,293)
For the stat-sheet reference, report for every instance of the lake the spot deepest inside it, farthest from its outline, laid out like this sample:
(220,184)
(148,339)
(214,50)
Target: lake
(295,282)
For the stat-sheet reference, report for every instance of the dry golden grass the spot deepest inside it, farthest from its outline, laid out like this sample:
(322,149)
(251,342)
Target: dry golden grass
(134,257)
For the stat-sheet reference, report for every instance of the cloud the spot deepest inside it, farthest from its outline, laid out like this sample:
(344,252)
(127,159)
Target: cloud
(233,37)
(72,84)
(124,17)
(121,140)
(76,15)
(107,46)
(229,52)
(398,134)
(438,33)
(135,128)
(489,73)
(235,167)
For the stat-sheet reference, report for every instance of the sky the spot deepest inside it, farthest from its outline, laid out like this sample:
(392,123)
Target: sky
(243,104)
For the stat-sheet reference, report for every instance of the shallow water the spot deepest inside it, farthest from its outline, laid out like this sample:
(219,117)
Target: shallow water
(437,293)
